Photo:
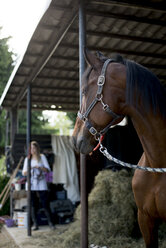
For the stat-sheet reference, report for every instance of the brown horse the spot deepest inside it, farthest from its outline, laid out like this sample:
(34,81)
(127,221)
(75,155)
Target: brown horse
(112,89)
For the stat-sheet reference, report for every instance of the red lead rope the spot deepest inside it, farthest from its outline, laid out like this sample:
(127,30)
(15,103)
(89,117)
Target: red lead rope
(101,139)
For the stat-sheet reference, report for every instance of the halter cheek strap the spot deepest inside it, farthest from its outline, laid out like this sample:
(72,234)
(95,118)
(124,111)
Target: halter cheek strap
(106,108)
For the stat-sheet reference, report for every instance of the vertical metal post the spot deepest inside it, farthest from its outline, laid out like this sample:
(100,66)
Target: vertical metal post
(14,124)
(7,130)
(82,42)
(28,140)
(84,195)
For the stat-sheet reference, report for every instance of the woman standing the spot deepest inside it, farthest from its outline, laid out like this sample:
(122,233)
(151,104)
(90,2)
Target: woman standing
(39,190)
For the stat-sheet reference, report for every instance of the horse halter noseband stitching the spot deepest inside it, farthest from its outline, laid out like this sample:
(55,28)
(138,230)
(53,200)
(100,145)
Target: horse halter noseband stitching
(106,108)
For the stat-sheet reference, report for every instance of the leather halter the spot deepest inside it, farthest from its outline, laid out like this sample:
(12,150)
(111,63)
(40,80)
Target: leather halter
(106,108)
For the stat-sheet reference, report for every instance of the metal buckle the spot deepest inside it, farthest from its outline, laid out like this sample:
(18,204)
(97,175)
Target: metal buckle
(101,80)
(81,116)
(105,106)
(93,131)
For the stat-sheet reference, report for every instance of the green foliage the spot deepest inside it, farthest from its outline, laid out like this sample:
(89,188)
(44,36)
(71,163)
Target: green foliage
(6,62)
(3,181)
(38,122)
(6,208)
(72,116)
(60,123)
(6,67)
(2,166)
(2,128)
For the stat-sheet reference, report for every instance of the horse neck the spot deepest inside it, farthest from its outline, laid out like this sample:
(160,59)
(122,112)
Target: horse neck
(151,131)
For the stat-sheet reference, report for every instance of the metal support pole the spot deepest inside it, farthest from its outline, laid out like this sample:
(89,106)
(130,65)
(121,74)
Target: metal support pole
(28,140)
(7,130)
(14,124)
(84,195)
(82,42)
(84,203)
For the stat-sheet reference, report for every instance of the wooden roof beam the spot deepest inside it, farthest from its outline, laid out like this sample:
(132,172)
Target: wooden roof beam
(58,78)
(125,17)
(36,87)
(59,102)
(46,95)
(45,107)
(120,36)
(120,51)
(48,52)
(109,35)
(155,66)
(136,4)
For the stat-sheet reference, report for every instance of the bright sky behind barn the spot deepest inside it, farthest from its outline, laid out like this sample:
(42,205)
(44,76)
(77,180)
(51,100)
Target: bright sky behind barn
(19,18)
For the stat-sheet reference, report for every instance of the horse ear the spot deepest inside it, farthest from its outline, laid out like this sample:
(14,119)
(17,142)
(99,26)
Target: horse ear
(91,59)
(101,56)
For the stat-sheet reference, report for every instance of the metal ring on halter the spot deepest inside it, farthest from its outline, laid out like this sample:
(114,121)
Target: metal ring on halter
(98,98)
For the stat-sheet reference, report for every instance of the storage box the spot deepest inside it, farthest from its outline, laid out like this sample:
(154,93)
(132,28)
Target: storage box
(61,195)
(65,218)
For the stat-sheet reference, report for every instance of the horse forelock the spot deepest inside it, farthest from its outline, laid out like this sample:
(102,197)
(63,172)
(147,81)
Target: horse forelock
(142,84)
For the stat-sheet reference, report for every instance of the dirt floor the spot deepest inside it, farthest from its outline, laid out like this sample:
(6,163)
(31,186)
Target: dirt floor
(17,237)
(6,241)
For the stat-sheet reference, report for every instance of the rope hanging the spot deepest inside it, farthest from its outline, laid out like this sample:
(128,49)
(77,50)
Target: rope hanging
(105,152)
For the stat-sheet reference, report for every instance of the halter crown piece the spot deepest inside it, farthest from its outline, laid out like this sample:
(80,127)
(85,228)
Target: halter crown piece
(99,135)
(106,108)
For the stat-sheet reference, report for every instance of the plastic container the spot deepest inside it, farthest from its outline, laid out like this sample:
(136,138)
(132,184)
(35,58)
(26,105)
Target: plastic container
(9,222)
(61,195)
(22,219)
(17,186)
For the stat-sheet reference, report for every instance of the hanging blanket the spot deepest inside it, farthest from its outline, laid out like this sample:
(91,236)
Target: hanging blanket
(64,168)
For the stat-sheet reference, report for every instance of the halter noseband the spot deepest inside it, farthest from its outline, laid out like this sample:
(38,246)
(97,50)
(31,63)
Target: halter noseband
(106,108)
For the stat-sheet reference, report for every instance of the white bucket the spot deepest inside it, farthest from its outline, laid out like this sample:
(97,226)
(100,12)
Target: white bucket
(22,219)
(17,186)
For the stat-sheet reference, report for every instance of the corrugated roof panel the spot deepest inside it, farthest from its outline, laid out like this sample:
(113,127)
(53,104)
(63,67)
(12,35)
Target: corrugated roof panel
(51,62)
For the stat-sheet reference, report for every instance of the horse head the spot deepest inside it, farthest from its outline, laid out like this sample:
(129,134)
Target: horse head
(103,100)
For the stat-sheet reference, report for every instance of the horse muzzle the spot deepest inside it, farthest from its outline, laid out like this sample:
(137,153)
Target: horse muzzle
(82,145)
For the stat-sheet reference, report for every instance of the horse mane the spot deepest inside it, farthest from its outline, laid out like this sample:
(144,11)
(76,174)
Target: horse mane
(142,85)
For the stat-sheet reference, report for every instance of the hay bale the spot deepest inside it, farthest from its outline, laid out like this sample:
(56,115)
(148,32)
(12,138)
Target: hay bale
(112,210)
(112,216)
(111,207)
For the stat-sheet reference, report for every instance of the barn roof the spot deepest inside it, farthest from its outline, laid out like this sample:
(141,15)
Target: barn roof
(134,28)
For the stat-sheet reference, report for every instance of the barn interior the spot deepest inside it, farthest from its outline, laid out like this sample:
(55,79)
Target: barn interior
(50,67)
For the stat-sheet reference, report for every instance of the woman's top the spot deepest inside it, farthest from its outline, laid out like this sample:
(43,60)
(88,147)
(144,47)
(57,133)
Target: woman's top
(38,180)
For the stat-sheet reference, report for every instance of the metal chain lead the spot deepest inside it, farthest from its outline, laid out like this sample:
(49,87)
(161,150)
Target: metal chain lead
(104,151)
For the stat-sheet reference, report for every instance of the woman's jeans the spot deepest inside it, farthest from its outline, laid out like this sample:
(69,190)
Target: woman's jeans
(42,196)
